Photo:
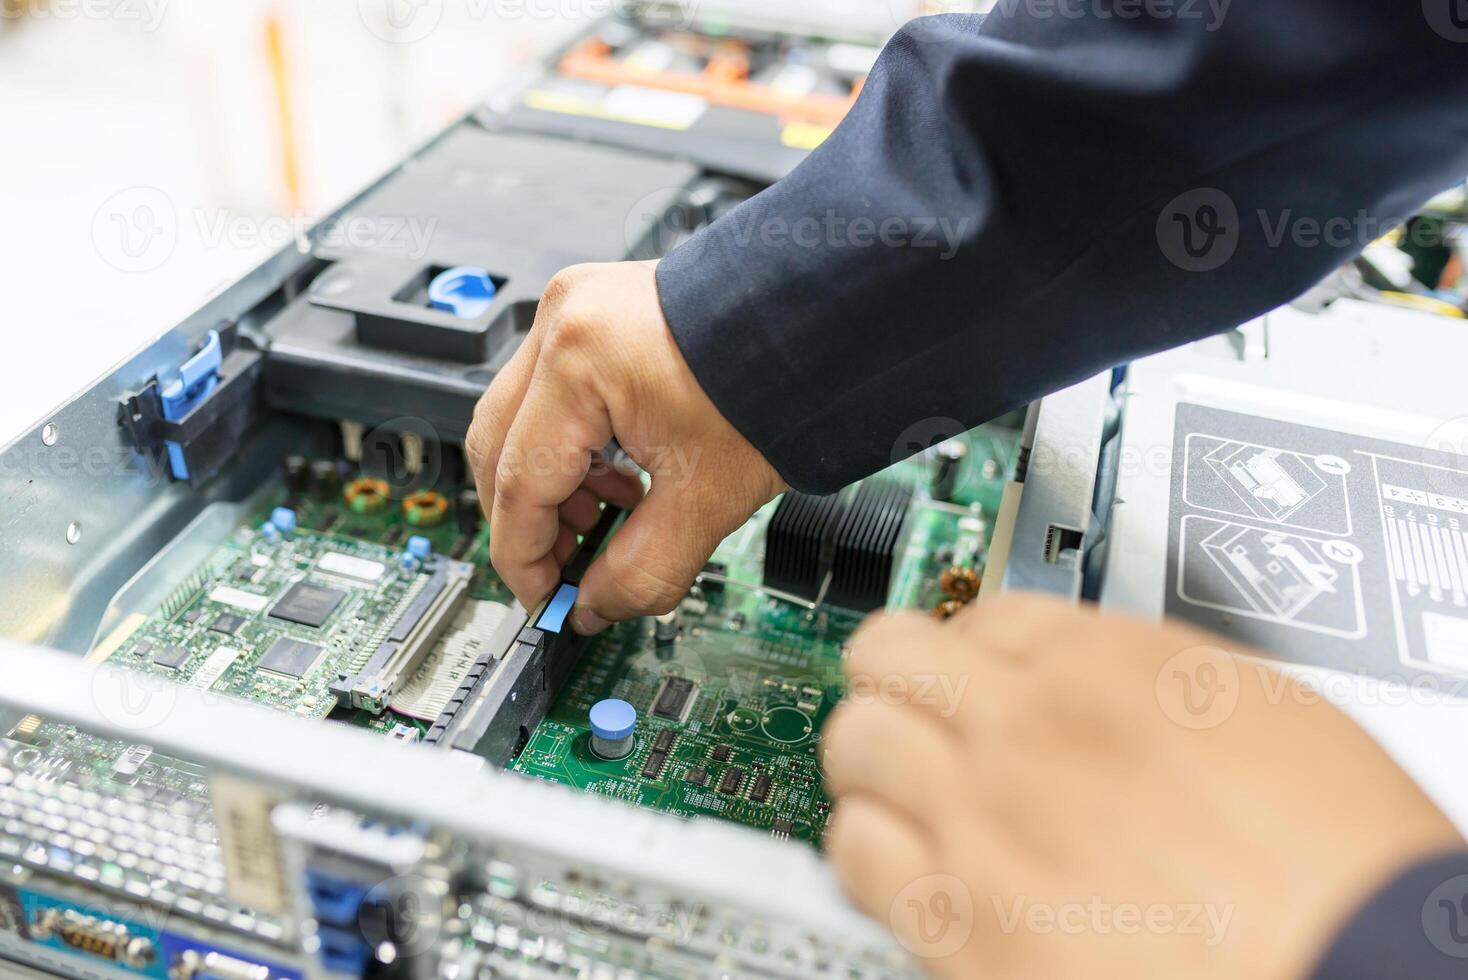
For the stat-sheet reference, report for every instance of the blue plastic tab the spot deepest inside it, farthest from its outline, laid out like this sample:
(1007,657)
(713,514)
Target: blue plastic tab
(554,617)
(285,519)
(465,291)
(420,547)
(196,381)
(613,719)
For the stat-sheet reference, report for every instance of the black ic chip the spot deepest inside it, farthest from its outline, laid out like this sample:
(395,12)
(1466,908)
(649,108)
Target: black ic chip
(674,697)
(171,656)
(309,605)
(664,741)
(227,623)
(290,657)
(733,779)
(760,791)
(721,753)
(781,827)
(696,777)
(654,765)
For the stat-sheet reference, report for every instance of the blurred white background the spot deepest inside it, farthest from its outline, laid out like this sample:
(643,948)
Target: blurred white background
(221,118)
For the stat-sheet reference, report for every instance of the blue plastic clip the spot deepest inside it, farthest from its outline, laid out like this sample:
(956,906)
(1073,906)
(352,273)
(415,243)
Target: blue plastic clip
(196,381)
(553,620)
(465,291)
(420,547)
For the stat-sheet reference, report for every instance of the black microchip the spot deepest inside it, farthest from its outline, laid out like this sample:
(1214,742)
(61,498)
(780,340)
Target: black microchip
(309,605)
(664,741)
(173,657)
(672,700)
(653,765)
(290,657)
(143,649)
(782,827)
(696,777)
(733,779)
(227,623)
(760,791)
(193,616)
(721,753)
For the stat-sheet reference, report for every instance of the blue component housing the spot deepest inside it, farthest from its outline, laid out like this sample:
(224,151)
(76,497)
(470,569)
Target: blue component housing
(553,620)
(613,720)
(466,291)
(420,547)
(344,951)
(175,945)
(196,381)
(334,899)
(284,520)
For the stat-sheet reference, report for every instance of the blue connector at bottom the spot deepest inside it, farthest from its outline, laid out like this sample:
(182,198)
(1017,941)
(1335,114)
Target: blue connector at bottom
(334,899)
(343,950)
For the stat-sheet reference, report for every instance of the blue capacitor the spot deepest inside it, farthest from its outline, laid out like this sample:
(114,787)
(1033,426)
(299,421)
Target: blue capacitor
(613,727)
(420,547)
(284,519)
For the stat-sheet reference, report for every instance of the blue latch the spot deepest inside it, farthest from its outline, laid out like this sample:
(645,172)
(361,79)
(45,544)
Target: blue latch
(553,620)
(465,291)
(196,381)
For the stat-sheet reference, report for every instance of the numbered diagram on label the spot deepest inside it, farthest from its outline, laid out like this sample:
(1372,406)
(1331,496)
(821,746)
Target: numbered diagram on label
(1297,581)
(1291,489)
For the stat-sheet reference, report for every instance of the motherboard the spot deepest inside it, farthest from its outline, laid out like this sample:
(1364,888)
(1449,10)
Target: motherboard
(343,600)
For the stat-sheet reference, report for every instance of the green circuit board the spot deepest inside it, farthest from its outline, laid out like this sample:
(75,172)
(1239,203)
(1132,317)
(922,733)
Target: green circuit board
(275,622)
(754,673)
(759,674)
(275,619)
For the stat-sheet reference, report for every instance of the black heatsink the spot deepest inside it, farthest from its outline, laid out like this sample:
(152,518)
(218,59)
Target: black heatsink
(853,536)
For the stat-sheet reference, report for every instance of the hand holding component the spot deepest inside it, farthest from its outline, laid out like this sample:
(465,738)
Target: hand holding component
(1068,794)
(600,363)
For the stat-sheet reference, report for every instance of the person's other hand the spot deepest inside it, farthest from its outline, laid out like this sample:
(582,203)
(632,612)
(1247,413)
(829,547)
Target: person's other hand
(1034,790)
(600,362)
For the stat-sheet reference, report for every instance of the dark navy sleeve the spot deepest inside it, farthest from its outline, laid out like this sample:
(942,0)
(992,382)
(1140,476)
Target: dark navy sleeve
(1020,201)
(1415,927)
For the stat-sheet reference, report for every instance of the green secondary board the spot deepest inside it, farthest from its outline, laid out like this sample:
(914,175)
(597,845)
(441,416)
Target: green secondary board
(765,670)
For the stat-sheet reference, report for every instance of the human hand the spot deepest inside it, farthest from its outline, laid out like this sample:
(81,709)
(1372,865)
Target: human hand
(600,362)
(1034,790)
